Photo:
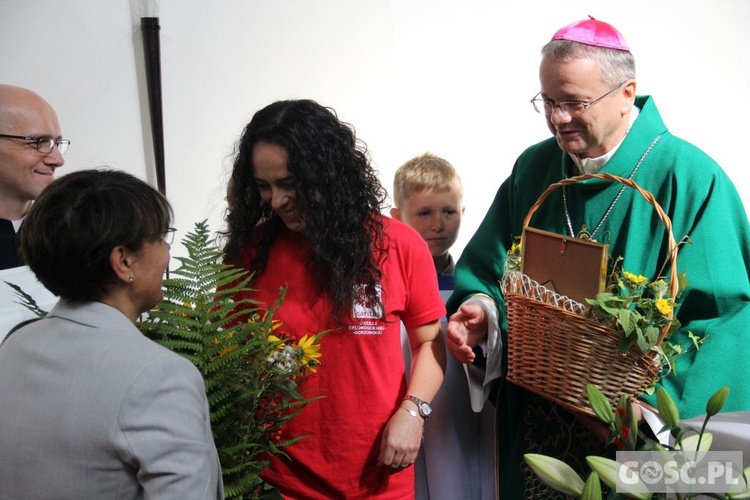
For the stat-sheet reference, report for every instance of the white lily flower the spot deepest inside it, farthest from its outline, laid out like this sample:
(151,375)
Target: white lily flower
(690,443)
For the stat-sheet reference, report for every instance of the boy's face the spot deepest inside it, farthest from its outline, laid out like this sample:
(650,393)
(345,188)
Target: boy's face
(436,216)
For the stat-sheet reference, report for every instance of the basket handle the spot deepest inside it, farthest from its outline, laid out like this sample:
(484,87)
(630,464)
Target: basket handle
(673,280)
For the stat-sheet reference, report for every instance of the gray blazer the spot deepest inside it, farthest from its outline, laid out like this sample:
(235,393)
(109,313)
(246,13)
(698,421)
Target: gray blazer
(92,409)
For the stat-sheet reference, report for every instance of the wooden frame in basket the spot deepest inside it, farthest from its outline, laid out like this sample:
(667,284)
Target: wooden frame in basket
(567,265)
(555,353)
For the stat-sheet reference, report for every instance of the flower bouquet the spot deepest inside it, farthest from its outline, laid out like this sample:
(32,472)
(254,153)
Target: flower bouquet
(643,314)
(251,375)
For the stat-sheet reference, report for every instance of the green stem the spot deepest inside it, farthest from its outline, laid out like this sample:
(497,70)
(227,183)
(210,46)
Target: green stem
(700,437)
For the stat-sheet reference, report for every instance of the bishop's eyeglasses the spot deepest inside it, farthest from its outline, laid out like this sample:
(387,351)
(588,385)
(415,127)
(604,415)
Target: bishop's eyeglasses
(569,109)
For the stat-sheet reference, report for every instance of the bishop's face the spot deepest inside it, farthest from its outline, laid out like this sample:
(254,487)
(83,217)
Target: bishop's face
(600,127)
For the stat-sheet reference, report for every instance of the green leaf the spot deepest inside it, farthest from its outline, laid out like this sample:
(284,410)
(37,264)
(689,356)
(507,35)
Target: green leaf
(599,403)
(555,473)
(682,278)
(696,340)
(652,334)
(624,317)
(625,343)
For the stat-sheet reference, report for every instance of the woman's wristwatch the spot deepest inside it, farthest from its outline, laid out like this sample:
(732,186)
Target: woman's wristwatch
(425,410)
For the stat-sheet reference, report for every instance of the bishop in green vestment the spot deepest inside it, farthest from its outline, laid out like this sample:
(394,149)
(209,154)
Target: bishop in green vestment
(588,96)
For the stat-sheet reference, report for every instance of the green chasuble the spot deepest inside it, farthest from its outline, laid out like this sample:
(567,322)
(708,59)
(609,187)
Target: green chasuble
(703,205)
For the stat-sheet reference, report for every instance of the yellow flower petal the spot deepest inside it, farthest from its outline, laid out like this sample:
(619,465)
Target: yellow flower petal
(308,352)
(663,306)
(635,280)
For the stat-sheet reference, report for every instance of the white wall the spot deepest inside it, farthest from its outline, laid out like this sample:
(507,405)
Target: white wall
(451,77)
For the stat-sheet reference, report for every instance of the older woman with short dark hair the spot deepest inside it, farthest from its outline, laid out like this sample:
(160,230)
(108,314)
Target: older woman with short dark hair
(91,407)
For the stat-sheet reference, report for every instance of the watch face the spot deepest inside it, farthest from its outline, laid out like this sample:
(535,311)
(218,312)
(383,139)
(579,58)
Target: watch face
(425,410)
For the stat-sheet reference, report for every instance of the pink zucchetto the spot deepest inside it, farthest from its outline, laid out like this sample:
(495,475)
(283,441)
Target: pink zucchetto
(593,32)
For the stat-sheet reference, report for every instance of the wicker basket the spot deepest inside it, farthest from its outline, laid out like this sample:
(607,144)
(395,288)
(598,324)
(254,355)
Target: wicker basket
(555,352)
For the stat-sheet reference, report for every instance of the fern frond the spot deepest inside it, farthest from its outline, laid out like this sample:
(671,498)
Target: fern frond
(250,399)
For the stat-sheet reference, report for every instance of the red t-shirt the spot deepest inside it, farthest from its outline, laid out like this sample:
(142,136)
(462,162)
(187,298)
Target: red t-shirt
(361,376)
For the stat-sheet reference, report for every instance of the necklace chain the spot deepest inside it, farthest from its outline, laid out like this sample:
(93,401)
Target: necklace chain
(584,234)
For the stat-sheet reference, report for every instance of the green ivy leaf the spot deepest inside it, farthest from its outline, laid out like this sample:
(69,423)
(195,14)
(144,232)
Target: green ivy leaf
(696,340)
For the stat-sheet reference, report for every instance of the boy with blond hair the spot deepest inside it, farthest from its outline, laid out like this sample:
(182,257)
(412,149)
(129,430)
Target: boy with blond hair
(428,196)
(457,459)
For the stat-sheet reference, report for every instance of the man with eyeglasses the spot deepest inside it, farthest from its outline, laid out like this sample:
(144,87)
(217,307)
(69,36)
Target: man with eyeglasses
(31,149)
(599,124)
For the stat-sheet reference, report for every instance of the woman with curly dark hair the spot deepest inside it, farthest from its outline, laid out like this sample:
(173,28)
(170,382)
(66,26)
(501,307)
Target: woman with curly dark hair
(305,213)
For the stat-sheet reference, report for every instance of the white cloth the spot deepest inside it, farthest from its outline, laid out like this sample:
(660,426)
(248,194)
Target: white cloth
(480,381)
(457,458)
(731,432)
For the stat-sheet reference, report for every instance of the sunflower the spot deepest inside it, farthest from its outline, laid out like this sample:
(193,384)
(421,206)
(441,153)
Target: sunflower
(664,306)
(308,351)
(636,281)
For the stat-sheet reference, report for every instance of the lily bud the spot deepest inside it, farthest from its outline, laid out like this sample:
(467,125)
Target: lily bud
(605,468)
(592,489)
(608,471)
(717,401)
(555,473)
(667,409)
(633,436)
